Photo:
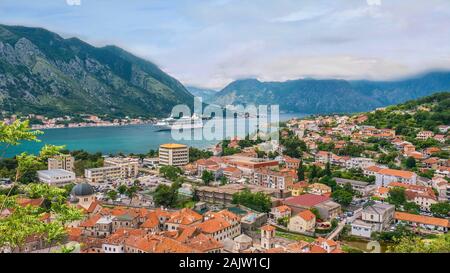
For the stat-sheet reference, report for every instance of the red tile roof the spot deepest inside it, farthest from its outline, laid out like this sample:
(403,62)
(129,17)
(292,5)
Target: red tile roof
(306,200)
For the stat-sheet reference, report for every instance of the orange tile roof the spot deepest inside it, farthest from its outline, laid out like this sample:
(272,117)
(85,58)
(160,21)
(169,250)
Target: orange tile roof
(317,249)
(185,217)
(268,228)
(307,215)
(373,169)
(151,222)
(91,221)
(283,209)
(204,243)
(214,225)
(403,216)
(32,202)
(398,173)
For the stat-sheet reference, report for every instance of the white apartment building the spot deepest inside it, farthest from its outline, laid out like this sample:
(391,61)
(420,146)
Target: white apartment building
(64,162)
(385,176)
(129,167)
(173,155)
(359,163)
(57,177)
(97,175)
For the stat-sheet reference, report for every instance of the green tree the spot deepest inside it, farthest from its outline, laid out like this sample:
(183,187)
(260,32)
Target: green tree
(410,162)
(170,172)
(122,189)
(223,180)
(441,210)
(342,196)
(257,201)
(13,134)
(166,196)
(207,177)
(301,172)
(397,197)
(131,192)
(49,151)
(112,195)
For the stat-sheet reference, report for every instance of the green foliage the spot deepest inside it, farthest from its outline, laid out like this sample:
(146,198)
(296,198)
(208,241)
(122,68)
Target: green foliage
(257,201)
(27,221)
(196,154)
(207,177)
(170,172)
(283,221)
(414,244)
(15,133)
(409,124)
(112,195)
(441,209)
(392,236)
(342,196)
(397,197)
(166,196)
(153,95)
(49,151)
(85,160)
(223,180)
(301,172)
(27,167)
(294,146)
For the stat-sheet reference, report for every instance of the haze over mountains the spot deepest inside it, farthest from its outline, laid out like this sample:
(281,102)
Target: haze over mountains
(331,96)
(43,73)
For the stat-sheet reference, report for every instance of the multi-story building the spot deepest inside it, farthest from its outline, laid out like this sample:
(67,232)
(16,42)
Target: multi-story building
(128,166)
(272,179)
(424,135)
(115,168)
(173,154)
(385,176)
(97,175)
(64,162)
(359,163)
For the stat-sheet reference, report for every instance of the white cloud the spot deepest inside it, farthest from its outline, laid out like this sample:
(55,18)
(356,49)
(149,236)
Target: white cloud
(374,2)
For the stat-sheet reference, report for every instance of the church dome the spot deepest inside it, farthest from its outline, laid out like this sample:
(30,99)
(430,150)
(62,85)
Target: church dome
(83,189)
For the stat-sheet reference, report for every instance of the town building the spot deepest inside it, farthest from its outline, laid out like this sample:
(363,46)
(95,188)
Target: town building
(361,187)
(420,222)
(128,166)
(173,154)
(63,161)
(304,221)
(103,174)
(272,179)
(379,215)
(56,177)
(326,208)
(385,176)
(280,212)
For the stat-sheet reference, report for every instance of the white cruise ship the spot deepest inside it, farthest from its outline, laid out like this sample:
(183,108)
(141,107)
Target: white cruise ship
(185,123)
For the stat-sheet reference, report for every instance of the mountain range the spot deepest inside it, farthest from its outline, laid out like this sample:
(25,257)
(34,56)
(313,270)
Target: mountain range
(331,96)
(43,73)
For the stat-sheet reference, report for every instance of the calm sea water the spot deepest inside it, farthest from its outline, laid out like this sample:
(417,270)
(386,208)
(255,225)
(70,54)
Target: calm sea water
(111,140)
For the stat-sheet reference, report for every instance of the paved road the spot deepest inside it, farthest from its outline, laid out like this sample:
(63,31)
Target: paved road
(337,231)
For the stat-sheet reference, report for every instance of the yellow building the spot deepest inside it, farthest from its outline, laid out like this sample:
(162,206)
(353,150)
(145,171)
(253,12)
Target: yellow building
(318,188)
(304,221)
(173,154)
(298,188)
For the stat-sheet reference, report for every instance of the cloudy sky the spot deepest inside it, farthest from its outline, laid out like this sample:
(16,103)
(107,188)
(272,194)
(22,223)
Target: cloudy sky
(209,43)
